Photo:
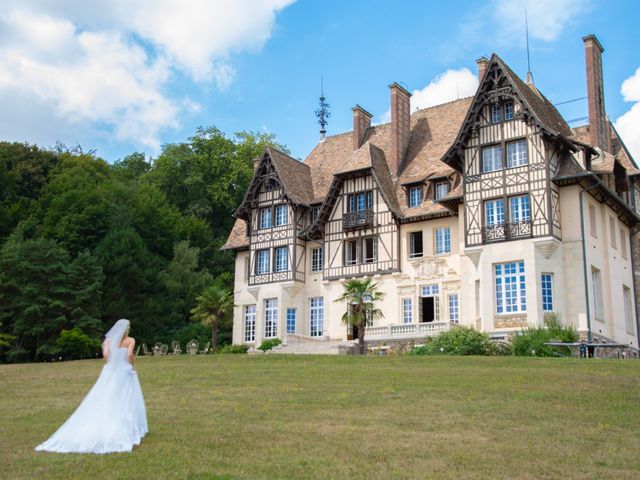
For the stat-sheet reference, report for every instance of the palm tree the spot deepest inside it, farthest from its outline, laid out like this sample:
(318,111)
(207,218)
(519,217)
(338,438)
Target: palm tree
(214,303)
(361,297)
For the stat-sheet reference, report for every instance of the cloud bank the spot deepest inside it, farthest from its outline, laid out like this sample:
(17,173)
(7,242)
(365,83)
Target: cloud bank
(628,125)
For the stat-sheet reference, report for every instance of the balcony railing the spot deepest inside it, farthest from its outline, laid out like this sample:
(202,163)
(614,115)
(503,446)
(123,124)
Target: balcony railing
(506,231)
(359,219)
(406,330)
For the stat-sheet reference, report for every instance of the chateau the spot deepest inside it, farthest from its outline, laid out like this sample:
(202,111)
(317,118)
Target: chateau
(487,211)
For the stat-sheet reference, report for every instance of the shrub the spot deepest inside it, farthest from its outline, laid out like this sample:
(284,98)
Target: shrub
(500,348)
(531,342)
(233,349)
(457,341)
(75,343)
(269,344)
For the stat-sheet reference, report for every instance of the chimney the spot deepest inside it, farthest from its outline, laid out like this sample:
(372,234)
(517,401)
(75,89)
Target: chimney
(361,121)
(483,63)
(400,126)
(599,132)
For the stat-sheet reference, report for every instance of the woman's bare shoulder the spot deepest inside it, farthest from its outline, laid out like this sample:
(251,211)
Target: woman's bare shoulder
(128,341)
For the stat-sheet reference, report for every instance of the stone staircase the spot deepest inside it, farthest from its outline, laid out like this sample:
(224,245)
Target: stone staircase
(312,347)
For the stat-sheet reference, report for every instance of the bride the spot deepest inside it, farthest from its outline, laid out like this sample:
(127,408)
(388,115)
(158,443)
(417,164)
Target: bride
(112,417)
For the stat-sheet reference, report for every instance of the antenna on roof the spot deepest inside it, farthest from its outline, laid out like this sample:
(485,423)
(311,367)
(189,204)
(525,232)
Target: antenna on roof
(526,29)
(323,112)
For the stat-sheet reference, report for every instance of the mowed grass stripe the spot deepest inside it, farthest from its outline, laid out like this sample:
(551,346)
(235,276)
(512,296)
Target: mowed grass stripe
(300,417)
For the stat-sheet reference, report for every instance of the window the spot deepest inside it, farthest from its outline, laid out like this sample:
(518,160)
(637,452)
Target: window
(249,323)
(360,201)
(262,263)
(281,215)
(519,210)
(547,292)
(517,153)
(442,188)
(415,244)
(496,112)
(596,286)
(510,288)
(415,196)
(351,252)
(454,308)
(443,240)
(492,159)
(628,311)
(508,110)
(314,213)
(612,232)
(282,259)
(271,317)
(593,225)
(317,317)
(316,259)
(291,320)
(272,184)
(623,243)
(407,310)
(494,212)
(266,220)
(370,245)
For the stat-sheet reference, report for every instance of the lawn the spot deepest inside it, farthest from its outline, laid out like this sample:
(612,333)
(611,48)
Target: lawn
(280,417)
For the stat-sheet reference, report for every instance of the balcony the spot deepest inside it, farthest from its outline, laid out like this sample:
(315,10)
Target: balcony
(406,331)
(359,219)
(506,231)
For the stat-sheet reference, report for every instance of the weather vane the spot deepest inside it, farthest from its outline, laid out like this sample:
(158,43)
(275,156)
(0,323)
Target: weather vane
(323,112)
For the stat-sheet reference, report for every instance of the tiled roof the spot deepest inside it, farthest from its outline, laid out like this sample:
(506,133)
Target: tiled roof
(238,236)
(294,175)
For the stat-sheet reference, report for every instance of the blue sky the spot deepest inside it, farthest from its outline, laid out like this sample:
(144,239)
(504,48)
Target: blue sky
(119,76)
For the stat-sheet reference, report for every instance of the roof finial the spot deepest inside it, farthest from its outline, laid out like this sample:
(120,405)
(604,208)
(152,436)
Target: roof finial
(323,112)
(526,29)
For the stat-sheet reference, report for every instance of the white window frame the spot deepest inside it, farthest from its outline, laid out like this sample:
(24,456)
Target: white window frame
(415,197)
(494,212)
(412,244)
(262,262)
(407,310)
(250,323)
(510,288)
(266,218)
(493,162)
(519,209)
(441,189)
(454,308)
(291,320)
(509,110)
(496,112)
(281,260)
(546,288)
(356,254)
(282,213)
(443,240)
(317,259)
(517,154)
(370,256)
(270,317)
(316,316)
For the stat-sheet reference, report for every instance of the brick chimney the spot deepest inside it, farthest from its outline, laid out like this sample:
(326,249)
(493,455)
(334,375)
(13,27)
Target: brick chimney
(483,63)
(400,126)
(361,121)
(599,131)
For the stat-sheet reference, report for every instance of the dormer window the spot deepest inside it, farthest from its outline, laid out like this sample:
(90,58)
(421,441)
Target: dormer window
(508,110)
(442,188)
(359,202)
(314,213)
(502,111)
(496,113)
(266,218)
(415,197)
(271,184)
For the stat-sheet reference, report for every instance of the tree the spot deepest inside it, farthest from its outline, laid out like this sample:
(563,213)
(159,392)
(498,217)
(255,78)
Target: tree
(213,304)
(361,297)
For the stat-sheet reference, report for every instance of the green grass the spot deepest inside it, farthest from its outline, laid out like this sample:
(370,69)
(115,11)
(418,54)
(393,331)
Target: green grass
(278,417)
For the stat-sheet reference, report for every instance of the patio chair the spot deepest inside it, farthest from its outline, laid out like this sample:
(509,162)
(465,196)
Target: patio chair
(145,350)
(206,348)
(137,351)
(157,349)
(164,348)
(192,347)
(175,347)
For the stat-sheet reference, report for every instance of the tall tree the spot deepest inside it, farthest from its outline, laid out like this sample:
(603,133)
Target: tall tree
(361,297)
(215,303)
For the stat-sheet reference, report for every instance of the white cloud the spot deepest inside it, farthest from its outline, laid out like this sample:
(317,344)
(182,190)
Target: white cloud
(107,63)
(628,125)
(447,86)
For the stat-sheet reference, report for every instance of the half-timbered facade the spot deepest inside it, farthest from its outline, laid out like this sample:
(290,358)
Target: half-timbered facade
(487,211)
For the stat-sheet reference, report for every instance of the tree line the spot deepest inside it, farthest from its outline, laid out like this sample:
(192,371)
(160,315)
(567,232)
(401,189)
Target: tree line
(84,242)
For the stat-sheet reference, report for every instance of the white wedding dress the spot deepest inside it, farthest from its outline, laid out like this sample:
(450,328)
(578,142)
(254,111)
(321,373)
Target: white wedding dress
(111,418)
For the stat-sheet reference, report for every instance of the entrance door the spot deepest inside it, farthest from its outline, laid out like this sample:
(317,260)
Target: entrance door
(352,332)
(428,309)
